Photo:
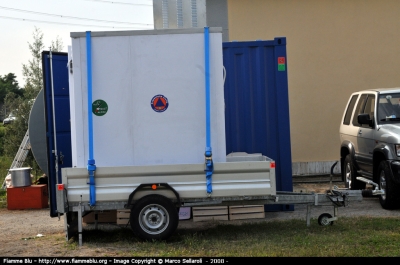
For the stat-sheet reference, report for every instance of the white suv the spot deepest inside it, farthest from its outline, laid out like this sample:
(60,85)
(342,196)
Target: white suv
(370,142)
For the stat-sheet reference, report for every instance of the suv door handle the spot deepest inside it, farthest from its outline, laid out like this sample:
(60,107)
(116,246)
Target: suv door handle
(360,132)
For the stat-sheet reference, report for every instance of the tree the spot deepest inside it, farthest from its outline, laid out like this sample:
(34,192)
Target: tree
(8,84)
(21,106)
(57,45)
(32,71)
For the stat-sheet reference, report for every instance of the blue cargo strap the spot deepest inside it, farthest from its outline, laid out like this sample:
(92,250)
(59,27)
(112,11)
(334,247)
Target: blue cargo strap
(209,167)
(91,165)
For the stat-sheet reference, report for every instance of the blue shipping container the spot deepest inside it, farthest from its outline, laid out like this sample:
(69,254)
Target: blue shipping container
(257,105)
(62,120)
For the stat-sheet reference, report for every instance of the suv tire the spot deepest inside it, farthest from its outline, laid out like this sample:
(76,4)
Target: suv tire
(391,198)
(350,175)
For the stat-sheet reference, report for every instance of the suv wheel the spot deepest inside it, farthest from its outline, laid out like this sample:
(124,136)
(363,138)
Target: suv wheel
(390,199)
(350,175)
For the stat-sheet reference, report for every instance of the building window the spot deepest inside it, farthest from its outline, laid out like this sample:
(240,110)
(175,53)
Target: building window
(194,13)
(179,14)
(165,13)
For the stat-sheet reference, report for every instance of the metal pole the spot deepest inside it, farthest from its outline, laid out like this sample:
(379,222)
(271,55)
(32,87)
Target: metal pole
(54,115)
(80,223)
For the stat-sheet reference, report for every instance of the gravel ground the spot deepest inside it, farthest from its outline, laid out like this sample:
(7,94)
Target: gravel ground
(21,229)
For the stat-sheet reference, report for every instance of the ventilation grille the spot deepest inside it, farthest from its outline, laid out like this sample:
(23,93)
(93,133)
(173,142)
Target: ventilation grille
(179,13)
(165,13)
(194,13)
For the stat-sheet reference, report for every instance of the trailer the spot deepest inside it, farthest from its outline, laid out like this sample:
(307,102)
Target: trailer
(147,133)
(154,204)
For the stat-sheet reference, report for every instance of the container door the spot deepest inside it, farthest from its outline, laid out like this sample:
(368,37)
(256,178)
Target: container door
(62,120)
(257,105)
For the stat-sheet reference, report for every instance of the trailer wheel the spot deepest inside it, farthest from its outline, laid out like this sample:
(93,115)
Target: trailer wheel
(154,217)
(323,219)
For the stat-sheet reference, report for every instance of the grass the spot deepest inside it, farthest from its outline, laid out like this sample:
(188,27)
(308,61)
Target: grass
(5,163)
(349,237)
(3,198)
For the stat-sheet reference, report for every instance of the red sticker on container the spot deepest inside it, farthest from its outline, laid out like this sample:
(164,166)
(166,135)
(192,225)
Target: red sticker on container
(281,60)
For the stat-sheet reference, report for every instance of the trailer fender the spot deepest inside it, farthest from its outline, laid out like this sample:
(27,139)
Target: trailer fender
(153,186)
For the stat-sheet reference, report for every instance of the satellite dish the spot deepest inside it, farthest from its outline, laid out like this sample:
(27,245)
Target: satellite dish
(37,132)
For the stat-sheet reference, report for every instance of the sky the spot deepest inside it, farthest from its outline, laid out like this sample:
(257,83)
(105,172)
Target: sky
(57,18)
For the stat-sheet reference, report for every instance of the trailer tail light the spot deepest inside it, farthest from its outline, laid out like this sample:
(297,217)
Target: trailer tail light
(272,164)
(60,186)
(154,187)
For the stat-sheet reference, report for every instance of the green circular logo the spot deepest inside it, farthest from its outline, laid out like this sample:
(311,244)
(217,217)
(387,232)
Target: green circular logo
(99,107)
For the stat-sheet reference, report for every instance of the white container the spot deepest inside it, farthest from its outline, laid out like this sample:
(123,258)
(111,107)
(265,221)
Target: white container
(130,68)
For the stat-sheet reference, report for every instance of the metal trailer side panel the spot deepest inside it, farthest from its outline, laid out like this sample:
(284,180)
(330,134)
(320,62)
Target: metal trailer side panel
(115,184)
(257,105)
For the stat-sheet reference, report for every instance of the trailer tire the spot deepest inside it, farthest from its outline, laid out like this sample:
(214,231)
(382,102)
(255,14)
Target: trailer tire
(154,217)
(323,219)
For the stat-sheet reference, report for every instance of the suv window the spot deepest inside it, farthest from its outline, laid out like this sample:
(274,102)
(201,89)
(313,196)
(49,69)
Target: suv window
(349,110)
(389,108)
(369,108)
(359,108)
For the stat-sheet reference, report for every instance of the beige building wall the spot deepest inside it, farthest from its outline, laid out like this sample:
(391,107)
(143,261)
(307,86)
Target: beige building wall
(334,47)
